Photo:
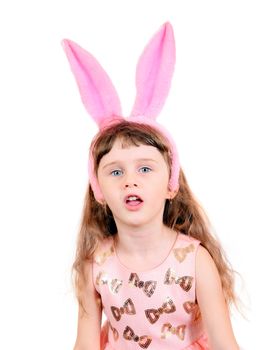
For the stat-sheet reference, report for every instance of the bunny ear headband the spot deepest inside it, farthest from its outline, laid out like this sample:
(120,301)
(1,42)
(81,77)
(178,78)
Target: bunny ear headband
(153,78)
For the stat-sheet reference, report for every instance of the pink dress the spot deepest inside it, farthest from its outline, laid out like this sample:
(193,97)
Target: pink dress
(154,309)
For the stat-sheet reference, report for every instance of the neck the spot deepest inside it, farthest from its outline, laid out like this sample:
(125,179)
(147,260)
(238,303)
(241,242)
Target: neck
(140,241)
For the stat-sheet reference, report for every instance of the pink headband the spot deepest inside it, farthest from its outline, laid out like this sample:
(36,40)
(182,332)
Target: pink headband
(153,78)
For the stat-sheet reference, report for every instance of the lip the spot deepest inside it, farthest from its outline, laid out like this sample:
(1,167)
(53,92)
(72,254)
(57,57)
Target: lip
(132,207)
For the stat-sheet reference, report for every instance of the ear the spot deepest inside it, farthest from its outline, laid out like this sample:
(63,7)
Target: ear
(154,73)
(171,194)
(96,89)
(101,201)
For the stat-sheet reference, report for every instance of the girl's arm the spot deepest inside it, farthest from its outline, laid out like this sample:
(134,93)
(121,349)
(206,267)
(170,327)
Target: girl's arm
(214,310)
(89,325)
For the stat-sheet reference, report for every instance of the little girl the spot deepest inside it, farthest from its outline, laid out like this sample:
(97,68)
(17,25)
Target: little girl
(145,254)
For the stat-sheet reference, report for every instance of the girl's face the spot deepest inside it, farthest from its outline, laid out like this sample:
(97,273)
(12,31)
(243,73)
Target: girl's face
(134,183)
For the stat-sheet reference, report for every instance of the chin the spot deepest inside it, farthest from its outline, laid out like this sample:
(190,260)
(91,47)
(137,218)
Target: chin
(130,222)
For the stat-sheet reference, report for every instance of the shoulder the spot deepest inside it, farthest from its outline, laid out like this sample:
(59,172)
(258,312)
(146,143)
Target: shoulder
(207,276)
(185,250)
(186,238)
(187,242)
(204,259)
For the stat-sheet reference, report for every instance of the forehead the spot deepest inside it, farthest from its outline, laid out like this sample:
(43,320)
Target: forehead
(122,151)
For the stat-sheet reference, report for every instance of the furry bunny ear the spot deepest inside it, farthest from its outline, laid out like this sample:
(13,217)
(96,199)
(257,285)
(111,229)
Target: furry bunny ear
(154,72)
(96,89)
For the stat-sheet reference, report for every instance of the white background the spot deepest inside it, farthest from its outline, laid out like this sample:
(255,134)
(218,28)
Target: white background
(215,110)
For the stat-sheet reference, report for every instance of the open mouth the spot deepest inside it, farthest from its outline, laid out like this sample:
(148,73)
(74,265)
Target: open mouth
(133,200)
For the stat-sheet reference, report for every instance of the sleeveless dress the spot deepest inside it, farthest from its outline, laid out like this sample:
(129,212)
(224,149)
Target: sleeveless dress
(154,309)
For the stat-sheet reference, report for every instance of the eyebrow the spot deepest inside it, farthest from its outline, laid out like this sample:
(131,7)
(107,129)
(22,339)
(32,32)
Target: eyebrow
(137,160)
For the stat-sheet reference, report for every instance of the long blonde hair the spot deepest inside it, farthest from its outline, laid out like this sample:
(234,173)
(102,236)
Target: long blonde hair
(184,215)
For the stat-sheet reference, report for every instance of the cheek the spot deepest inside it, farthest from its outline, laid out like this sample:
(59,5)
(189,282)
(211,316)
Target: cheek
(164,178)
(163,185)
(102,188)
(108,190)
(102,181)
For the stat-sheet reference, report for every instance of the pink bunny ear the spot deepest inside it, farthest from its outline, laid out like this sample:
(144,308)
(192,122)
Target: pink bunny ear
(154,72)
(96,89)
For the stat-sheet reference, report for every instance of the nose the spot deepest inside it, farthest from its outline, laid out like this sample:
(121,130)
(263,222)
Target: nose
(130,181)
(130,184)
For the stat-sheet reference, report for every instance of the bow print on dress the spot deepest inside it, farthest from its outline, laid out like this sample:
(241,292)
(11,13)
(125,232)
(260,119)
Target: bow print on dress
(185,282)
(153,315)
(143,341)
(192,308)
(148,287)
(101,258)
(181,253)
(128,308)
(113,284)
(167,329)
(115,332)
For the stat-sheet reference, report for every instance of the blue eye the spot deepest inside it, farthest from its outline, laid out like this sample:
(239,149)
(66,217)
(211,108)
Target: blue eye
(145,169)
(116,172)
